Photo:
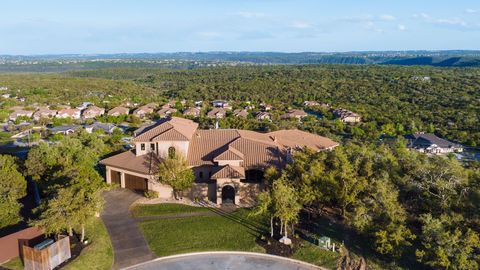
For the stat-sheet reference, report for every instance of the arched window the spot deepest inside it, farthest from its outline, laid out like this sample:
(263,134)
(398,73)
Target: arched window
(171,152)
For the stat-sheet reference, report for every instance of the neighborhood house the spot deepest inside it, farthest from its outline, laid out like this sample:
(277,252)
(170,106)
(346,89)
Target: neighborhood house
(228,164)
(431,144)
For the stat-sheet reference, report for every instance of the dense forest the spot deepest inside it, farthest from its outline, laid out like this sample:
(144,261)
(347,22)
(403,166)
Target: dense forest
(444,100)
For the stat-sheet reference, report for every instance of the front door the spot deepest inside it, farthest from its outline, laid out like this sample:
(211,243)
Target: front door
(228,194)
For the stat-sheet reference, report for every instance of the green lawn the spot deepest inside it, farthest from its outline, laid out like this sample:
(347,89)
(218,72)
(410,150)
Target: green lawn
(314,255)
(163,209)
(183,235)
(99,254)
(13,264)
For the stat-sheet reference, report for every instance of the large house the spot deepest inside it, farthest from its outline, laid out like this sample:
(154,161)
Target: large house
(346,116)
(294,113)
(228,164)
(93,112)
(44,113)
(20,113)
(117,111)
(431,144)
(68,113)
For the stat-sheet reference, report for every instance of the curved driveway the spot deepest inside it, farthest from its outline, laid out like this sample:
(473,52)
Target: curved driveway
(129,246)
(224,261)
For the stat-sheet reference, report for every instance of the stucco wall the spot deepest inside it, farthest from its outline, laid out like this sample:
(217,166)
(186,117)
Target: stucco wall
(161,148)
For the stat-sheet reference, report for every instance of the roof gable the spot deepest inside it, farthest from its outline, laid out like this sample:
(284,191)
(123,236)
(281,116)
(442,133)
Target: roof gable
(229,172)
(230,154)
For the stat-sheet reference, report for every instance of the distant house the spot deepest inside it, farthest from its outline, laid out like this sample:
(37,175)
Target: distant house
(308,103)
(84,105)
(346,116)
(166,112)
(265,107)
(195,112)
(198,103)
(68,113)
(221,104)
(117,111)
(152,105)
(107,128)
(142,111)
(264,116)
(93,112)
(6,96)
(431,144)
(240,113)
(18,113)
(295,113)
(44,113)
(217,113)
(65,130)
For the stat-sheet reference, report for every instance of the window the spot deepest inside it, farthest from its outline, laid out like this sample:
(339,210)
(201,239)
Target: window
(171,152)
(254,176)
(152,146)
(200,174)
(142,147)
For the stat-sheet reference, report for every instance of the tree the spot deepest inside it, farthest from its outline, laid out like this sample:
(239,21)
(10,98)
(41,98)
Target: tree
(12,188)
(70,207)
(174,171)
(442,182)
(265,206)
(285,204)
(58,213)
(446,244)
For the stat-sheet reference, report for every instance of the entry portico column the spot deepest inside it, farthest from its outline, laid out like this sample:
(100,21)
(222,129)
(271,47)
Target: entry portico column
(109,176)
(122,179)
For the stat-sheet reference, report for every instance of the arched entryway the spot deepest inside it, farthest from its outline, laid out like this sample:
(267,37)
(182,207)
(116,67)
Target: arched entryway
(228,194)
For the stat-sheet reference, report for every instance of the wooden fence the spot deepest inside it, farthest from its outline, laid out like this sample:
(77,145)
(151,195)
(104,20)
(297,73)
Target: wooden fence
(49,257)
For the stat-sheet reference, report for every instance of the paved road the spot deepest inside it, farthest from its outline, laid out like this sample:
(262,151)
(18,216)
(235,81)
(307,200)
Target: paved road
(129,246)
(224,261)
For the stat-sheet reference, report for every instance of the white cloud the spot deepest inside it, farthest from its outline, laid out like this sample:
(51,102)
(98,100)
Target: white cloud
(251,15)
(422,16)
(387,17)
(401,27)
(444,22)
(452,22)
(373,27)
(301,25)
(470,10)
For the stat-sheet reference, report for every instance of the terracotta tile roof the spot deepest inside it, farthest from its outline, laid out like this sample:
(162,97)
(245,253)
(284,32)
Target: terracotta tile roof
(229,172)
(259,154)
(166,111)
(181,126)
(216,112)
(240,113)
(296,138)
(295,113)
(253,149)
(207,144)
(145,164)
(118,111)
(230,154)
(170,135)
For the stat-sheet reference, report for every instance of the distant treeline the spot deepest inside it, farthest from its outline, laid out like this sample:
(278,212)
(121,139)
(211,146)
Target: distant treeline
(187,60)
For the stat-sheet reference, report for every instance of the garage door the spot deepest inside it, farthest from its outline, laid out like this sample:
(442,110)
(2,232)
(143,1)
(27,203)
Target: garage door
(115,177)
(135,183)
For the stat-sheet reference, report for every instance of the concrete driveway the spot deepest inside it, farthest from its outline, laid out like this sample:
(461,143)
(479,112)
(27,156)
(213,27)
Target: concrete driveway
(224,261)
(129,246)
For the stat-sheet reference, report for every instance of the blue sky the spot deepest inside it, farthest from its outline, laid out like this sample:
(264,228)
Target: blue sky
(116,26)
